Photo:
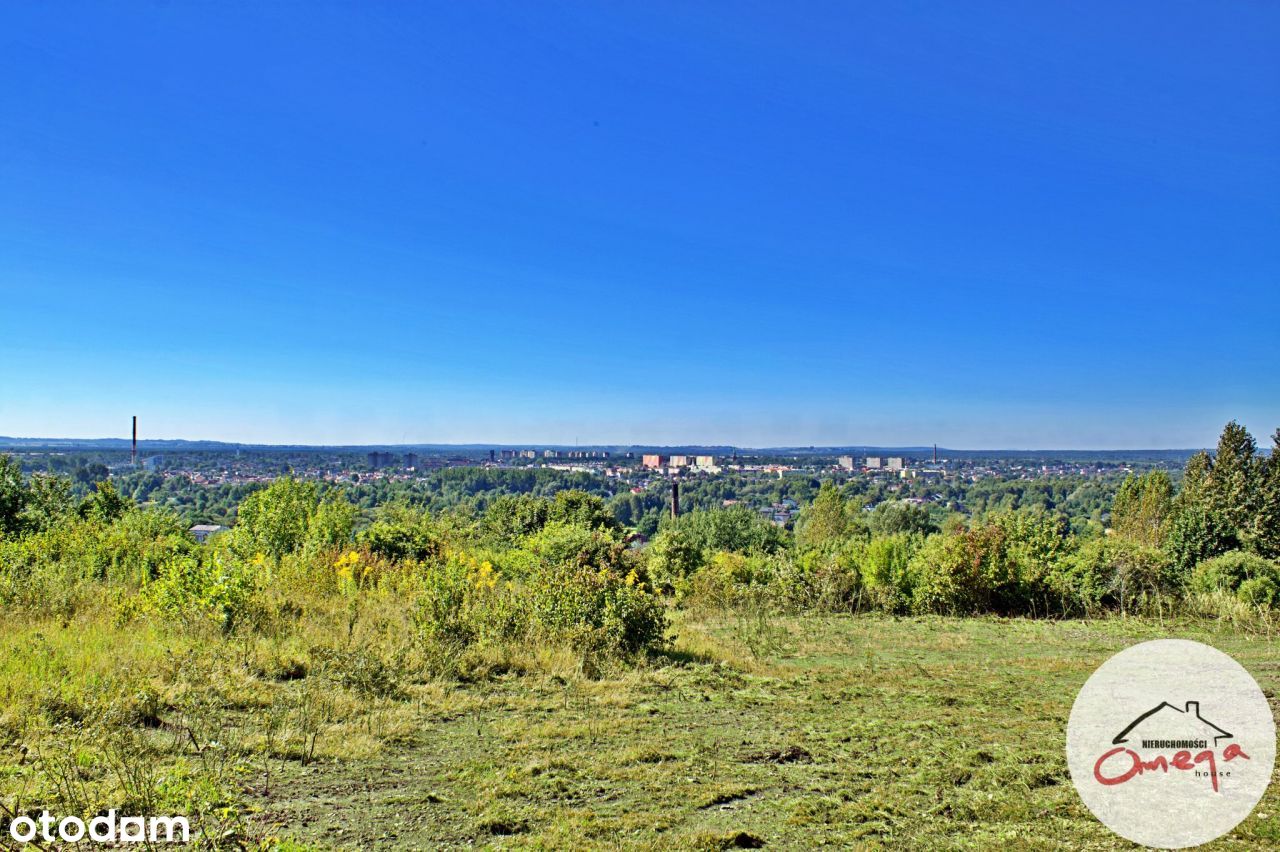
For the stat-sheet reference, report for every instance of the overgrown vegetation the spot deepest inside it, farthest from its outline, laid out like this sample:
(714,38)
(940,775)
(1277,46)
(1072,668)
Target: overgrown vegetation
(144,670)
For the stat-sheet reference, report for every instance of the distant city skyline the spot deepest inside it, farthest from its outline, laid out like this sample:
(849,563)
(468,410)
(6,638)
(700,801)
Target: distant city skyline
(989,226)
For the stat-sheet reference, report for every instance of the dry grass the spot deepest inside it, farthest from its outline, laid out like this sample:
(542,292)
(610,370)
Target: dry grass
(333,729)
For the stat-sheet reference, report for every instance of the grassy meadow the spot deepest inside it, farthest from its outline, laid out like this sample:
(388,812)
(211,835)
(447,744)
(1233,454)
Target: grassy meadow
(752,729)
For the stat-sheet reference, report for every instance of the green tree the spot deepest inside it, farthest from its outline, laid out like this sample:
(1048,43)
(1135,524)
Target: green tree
(332,522)
(513,516)
(105,504)
(827,519)
(582,509)
(673,556)
(1233,479)
(13,495)
(1266,529)
(736,529)
(896,516)
(49,501)
(403,533)
(962,574)
(883,569)
(1141,508)
(1036,543)
(288,514)
(1196,532)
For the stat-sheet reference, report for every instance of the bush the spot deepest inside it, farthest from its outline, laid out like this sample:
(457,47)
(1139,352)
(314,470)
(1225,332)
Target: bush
(672,558)
(737,529)
(513,516)
(1112,572)
(962,574)
(560,543)
(464,601)
(1249,577)
(193,589)
(1195,533)
(1260,592)
(899,516)
(826,581)
(595,610)
(289,514)
(725,578)
(402,533)
(884,567)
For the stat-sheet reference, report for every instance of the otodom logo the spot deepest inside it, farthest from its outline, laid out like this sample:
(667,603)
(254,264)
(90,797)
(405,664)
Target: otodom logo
(1171,743)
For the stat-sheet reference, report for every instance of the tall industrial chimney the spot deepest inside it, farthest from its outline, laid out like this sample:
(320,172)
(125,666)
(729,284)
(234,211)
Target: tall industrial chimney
(935,453)
(133,458)
(675,499)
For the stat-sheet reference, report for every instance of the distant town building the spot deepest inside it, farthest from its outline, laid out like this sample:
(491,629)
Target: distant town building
(652,460)
(380,460)
(896,464)
(846,462)
(153,463)
(550,454)
(529,454)
(202,531)
(704,461)
(873,462)
(679,461)
(411,460)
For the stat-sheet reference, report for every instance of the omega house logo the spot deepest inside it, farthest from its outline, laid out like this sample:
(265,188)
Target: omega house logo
(1171,743)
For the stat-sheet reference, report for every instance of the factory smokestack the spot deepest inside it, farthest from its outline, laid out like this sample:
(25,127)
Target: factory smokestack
(133,458)
(935,453)
(675,499)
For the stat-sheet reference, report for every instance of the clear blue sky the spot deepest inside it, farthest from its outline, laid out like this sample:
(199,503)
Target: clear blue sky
(980,224)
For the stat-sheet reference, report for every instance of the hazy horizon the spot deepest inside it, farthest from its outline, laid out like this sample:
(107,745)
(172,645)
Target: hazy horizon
(1263,439)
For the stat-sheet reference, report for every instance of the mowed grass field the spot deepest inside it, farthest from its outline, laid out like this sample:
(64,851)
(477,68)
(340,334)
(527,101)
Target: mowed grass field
(783,732)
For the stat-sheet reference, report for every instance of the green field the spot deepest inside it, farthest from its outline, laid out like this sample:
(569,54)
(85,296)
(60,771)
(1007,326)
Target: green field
(792,732)
(842,732)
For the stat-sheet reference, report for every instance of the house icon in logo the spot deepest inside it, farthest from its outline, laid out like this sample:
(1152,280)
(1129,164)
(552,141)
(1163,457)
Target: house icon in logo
(1167,722)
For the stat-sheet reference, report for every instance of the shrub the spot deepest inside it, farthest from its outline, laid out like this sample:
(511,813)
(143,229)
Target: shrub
(737,529)
(288,514)
(513,516)
(561,543)
(725,578)
(672,557)
(883,564)
(595,610)
(1113,572)
(402,533)
(962,574)
(464,601)
(194,589)
(1249,577)
(1260,592)
(816,579)
(899,516)
(136,546)
(453,606)
(1036,542)
(1194,533)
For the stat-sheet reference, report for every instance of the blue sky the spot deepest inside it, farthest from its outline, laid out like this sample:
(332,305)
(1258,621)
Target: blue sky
(980,224)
